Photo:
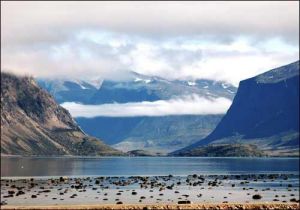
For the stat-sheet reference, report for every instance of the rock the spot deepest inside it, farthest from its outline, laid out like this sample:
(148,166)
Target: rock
(33,196)
(8,196)
(293,200)
(119,202)
(46,191)
(73,196)
(256,196)
(11,192)
(184,202)
(20,192)
(3,203)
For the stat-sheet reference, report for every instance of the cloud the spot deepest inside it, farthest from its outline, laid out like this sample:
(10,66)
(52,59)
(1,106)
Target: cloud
(189,105)
(219,19)
(227,41)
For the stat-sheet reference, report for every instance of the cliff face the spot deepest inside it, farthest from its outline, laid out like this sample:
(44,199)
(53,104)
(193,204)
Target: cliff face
(33,124)
(264,112)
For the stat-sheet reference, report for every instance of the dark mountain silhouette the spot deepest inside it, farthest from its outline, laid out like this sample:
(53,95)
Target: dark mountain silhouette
(264,112)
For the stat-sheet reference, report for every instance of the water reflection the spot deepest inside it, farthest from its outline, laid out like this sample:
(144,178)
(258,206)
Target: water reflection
(126,166)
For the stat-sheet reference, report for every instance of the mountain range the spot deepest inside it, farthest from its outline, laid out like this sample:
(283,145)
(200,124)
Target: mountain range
(264,112)
(263,119)
(135,88)
(157,133)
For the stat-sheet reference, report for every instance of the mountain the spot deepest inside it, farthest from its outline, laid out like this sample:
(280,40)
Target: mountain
(155,134)
(264,112)
(135,88)
(32,123)
(162,134)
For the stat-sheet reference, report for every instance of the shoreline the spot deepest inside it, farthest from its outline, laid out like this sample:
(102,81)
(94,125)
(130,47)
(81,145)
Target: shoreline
(152,156)
(261,205)
(44,178)
(157,192)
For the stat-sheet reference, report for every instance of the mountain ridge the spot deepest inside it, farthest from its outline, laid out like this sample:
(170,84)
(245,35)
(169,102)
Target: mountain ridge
(32,123)
(265,111)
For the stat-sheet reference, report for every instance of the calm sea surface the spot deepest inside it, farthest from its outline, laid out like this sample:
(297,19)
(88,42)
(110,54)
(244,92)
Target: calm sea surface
(143,166)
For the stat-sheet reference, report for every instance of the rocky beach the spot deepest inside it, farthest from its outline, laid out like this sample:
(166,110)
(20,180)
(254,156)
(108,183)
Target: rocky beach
(152,192)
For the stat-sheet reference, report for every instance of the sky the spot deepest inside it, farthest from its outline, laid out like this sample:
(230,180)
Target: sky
(90,40)
(226,41)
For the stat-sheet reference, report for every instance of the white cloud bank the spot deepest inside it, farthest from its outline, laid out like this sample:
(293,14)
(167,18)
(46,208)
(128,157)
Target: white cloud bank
(227,41)
(189,105)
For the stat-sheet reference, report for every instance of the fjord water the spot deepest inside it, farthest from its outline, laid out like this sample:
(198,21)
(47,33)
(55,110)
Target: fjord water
(143,166)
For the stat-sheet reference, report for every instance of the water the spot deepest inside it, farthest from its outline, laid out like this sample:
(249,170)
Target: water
(283,186)
(143,166)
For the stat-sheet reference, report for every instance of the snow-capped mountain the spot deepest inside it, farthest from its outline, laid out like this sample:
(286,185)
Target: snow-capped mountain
(165,133)
(137,88)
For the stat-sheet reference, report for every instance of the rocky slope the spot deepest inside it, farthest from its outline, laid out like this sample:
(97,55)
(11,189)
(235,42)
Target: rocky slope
(264,112)
(32,123)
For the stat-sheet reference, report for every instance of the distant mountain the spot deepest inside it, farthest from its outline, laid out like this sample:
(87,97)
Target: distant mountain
(32,123)
(264,112)
(225,150)
(136,88)
(163,134)
(155,134)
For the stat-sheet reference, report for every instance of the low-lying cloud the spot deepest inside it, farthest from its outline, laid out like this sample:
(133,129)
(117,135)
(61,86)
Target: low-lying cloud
(188,105)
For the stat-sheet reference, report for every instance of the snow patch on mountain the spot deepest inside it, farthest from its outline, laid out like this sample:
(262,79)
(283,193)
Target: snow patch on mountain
(97,83)
(224,86)
(142,80)
(191,83)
